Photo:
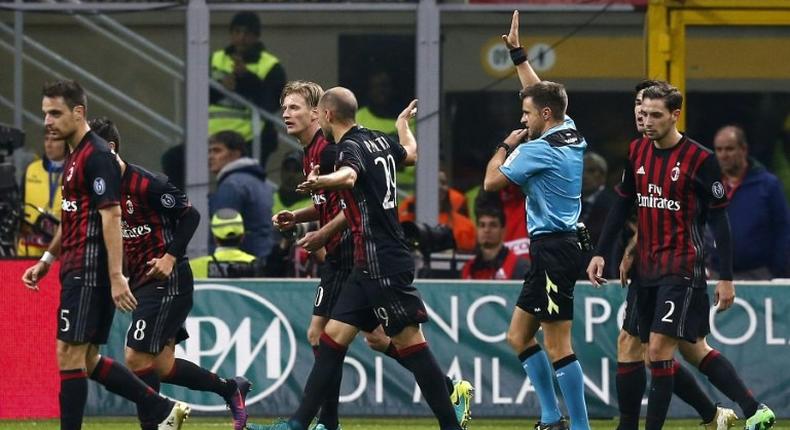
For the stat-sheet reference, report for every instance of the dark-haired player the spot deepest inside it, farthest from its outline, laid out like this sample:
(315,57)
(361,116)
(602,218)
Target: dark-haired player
(89,245)
(157,224)
(676,185)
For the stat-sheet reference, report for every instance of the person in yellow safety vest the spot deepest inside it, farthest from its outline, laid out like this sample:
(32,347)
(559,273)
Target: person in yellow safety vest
(42,197)
(379,113)
(228,260)
(248,69)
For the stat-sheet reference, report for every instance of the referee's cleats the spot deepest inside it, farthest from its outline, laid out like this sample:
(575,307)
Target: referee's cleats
(461,397)
(562,424)
(277,425)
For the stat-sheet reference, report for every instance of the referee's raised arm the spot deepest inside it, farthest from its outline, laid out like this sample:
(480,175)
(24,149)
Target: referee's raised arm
(526,74)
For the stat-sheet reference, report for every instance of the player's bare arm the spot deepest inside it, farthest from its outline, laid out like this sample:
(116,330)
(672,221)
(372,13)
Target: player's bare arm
(628,258)
(342,178)
(526,74)
(315,240)
(405,136)
(286,220)
(37,271)
(495,180)
(111,230)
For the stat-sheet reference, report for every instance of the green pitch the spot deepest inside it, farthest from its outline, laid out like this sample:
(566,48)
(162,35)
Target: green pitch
(200,423)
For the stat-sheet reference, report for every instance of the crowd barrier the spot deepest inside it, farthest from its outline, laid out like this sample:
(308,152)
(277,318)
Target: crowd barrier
(257,328)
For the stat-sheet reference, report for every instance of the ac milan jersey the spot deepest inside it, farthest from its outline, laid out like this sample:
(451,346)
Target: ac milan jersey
(673,189)
(150,207)
(91,181)
(322,153)
(371,207)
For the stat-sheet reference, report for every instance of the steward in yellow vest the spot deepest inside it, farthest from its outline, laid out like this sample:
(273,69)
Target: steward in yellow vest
(248,69)
(227,261)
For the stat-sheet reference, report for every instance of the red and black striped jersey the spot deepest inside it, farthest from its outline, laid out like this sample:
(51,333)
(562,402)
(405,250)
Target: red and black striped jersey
(150,208)
(371,207)
(322,153)
(91,181)
(673,189)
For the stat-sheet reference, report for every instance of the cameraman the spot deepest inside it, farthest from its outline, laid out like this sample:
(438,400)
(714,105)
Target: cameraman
(42,198)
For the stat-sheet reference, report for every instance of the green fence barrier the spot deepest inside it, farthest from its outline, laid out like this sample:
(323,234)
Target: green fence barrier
(258,329)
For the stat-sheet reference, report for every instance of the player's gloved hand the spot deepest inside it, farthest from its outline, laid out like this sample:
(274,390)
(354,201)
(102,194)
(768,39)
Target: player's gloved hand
(511,39)
(311,183)
(724,296)
(284,220)
(625,267)
(162,267)
(312,241)
(595,271)
(121,294)
(35,273)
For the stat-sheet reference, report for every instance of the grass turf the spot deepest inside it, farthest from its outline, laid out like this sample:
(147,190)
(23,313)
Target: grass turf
(203,423)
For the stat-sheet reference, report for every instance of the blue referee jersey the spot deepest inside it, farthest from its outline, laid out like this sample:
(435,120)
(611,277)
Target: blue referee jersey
(549,172)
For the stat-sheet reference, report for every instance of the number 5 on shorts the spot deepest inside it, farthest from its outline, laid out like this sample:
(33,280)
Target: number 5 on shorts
(64,313)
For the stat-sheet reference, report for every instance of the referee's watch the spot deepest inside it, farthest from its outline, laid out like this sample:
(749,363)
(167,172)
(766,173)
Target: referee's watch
(504,146)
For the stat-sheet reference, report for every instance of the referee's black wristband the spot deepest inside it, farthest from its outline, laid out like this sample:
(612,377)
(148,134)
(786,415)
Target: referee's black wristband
(518,55)
(503,145)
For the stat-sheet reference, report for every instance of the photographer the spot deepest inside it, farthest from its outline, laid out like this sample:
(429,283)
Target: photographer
(42,198)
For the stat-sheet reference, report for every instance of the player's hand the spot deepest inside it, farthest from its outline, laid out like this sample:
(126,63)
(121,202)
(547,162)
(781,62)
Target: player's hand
(516,137)
(625,267)
(284,220)
(407,114)
(311,183)
(511,39)
(35,273)
(724,296)
(595,271)
(312,241)
(121,294)
(161,268)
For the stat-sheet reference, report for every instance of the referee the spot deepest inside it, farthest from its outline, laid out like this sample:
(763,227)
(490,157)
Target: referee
(548,169)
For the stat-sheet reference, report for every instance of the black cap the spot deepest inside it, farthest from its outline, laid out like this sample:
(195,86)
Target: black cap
(248,20)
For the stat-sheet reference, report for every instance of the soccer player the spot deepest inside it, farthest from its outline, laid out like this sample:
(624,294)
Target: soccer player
(548,169)
(676,185)
(631,380)
(89,244)
(157,224)
(379,290)
(300,114)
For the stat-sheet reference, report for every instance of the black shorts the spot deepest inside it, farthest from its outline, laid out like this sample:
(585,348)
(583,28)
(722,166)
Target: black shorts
(328,290)
(631,319)
(157,319)
(675,310)
(391,301)
(557,258)
(85,313)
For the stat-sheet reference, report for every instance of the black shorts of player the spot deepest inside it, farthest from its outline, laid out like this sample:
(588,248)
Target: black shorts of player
(326,294)
(548,285)
(631,319)
(85,313)
(679,311)
(391,301)
(160,315)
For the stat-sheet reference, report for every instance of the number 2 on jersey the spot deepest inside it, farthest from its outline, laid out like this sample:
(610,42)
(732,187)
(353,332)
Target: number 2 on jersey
(389,171)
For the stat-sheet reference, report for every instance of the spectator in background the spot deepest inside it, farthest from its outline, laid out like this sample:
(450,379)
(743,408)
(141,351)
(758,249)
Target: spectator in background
(493,260)
(227,260)
(248,69)
(513,204)
(291,175)
(453,212)
(758,211)
(42,194)
(597,199)
(242,186)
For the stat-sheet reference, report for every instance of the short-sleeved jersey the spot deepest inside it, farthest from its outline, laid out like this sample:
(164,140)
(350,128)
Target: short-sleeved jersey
(322,153)
(673,190)
(91,181)
(150,207)
(549,172)
(371,207)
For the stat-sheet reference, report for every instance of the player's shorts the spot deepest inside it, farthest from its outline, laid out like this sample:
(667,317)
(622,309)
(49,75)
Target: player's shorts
(631,319)
(391,301)
(326,294)
(85,313)
(679,311)
(548,285)
(158,318)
